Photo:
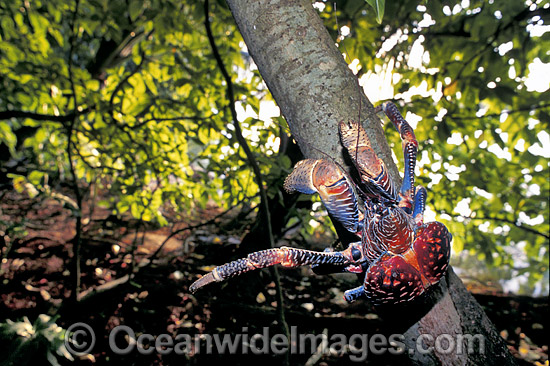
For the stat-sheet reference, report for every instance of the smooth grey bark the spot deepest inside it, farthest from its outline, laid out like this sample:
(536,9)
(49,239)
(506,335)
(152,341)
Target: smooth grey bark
(315,89)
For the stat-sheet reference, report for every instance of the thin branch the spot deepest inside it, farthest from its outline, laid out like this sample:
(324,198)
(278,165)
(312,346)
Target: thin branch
(495,115)
(76,189)
(123,82)
(187,118)
(190,227)
(7,114)
(524,14)
(83,158)
(112,285)
(526,108)
(108,286)
(320,351)
(255,167)
(508,221)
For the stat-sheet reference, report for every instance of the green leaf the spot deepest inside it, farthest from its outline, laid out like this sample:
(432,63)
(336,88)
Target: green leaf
(378,6)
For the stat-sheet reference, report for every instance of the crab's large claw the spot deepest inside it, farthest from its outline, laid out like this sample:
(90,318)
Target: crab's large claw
(433,250)
(395,278)
(372,169)
(392,279)
(334,187)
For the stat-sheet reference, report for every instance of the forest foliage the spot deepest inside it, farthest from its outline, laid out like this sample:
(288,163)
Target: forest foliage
(126,97)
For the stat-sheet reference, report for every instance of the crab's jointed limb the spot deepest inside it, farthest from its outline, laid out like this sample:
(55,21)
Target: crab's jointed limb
(371,168)
(286,256)
(410,148)
(334,187)
(419,205)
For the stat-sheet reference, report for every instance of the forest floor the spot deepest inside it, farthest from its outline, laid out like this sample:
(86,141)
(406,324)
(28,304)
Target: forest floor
(156,300)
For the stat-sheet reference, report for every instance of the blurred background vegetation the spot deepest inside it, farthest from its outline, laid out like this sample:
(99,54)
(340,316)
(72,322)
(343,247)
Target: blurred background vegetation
(119,108)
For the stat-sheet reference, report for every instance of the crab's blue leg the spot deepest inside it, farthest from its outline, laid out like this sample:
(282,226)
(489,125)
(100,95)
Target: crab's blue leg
(354,293)
(354,251)
(334,187)
(371,168)
(410,148)
(419,205)
(286,256)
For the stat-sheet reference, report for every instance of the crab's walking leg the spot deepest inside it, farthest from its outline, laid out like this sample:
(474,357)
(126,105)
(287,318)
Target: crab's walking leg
(371,168)
(288,257)
(419,205)
(410,148)
(334,187)
(357,260)
(354,293)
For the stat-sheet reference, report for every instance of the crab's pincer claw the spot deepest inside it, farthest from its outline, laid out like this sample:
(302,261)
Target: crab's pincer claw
(201,282)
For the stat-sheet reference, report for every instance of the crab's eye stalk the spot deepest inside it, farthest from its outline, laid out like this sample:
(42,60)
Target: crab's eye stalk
(355,254)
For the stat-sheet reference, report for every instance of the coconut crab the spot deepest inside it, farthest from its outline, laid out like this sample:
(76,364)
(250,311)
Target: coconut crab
(400,255)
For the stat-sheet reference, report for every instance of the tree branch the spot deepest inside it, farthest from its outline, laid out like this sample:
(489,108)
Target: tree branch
(495,115)
(70,129)
(524,14)
(121,84)
(507,221)
(190,227)
(180,118)
(7,114)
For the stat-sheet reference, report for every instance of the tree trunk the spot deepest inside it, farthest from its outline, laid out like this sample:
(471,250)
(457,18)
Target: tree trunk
(315,89)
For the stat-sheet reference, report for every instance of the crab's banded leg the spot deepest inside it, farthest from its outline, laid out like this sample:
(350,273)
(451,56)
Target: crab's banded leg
(410,148)
(357,259)
(334,187)
(371,168)
(288,257)
(419,205)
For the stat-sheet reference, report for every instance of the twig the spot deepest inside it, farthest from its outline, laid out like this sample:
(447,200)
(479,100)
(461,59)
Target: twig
(320,351)
(188,118)
(190,227)
(111,285)
(90,293)
(513,111)
(252,160)
(121,84)
(524,14)
(7,114)
(76,189)
(508,221)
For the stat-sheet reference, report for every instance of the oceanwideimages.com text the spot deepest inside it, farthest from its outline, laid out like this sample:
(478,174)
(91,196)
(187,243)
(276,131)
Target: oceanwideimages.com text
(80,339)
